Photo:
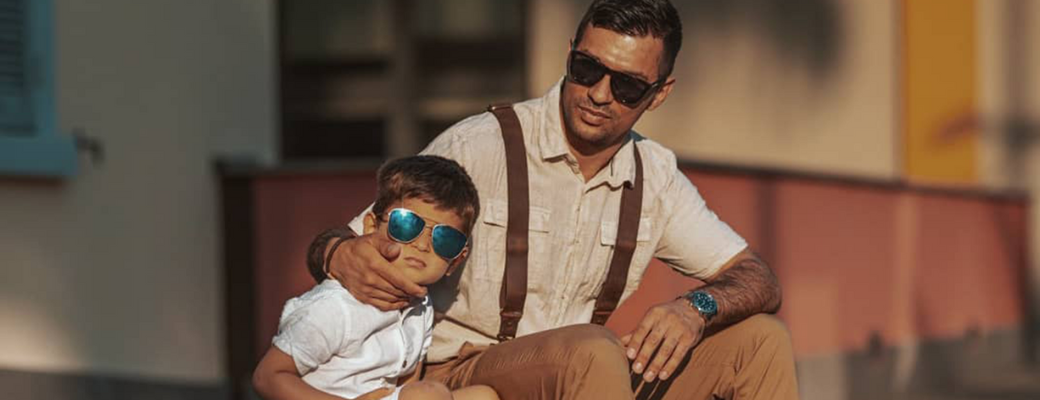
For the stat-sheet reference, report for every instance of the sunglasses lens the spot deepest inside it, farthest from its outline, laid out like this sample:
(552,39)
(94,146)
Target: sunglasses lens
(626,89)
(405,225)
(584,70)
(448,242)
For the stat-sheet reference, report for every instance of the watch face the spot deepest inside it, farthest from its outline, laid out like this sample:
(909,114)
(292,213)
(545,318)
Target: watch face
(705,303)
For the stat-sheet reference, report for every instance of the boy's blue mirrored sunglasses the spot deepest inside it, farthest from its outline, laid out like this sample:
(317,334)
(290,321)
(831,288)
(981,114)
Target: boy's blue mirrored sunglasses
(405,226)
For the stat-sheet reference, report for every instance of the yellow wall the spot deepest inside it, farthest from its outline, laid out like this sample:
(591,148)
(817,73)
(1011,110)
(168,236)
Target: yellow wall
(940,84)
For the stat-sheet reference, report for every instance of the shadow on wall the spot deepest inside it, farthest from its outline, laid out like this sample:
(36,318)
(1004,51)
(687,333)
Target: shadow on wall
(804,33)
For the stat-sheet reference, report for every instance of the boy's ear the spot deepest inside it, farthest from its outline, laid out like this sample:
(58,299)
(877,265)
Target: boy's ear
(370,223)
(458,260)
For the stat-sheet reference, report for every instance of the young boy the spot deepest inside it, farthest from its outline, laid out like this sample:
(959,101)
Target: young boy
(329,344)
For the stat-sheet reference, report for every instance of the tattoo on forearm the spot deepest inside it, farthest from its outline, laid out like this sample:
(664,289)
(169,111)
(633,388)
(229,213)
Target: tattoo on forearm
(316,251)
(748,287)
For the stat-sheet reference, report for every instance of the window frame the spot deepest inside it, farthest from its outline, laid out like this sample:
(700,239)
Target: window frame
(44,152)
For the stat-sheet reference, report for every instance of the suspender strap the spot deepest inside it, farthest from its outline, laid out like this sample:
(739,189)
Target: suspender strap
(625,245)
(514,282)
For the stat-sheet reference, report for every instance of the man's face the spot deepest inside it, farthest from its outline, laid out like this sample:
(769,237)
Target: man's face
(593,119)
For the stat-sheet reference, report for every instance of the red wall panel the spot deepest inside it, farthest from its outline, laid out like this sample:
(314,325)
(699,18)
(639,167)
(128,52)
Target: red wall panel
(290,212)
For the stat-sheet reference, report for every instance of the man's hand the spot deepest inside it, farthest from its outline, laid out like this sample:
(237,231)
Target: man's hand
(675,327)
(362,266)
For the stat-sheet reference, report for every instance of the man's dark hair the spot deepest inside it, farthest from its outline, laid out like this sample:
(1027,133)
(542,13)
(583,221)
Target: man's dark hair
(657,18)
(435,179)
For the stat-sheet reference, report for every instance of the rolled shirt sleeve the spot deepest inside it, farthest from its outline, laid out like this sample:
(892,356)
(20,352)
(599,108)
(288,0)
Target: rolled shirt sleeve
(695,241)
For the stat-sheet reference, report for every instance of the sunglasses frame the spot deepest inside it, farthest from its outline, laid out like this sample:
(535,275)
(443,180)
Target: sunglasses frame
(650,87)
(426,225)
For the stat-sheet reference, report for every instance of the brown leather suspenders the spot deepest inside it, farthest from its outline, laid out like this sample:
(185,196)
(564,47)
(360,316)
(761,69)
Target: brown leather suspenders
(514,283)
(624,245)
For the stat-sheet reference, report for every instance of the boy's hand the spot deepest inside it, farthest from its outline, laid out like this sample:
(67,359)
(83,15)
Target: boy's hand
(362,266)
(376,394)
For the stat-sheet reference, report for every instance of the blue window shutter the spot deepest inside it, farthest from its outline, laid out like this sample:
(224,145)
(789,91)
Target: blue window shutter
(17,116)
(30,144)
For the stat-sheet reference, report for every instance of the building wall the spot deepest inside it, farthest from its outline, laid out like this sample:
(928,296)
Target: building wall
(117,271)
(1009,77)
(1008,117)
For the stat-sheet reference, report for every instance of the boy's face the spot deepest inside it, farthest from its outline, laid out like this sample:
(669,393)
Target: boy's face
(418,261)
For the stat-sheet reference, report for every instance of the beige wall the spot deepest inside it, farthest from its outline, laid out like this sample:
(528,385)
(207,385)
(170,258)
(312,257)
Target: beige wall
(742,98)
(1003,101)
(991,17)
(117,270)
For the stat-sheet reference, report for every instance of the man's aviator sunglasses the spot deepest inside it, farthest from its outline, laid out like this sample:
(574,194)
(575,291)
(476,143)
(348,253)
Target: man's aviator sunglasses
(406,226)
(585,70)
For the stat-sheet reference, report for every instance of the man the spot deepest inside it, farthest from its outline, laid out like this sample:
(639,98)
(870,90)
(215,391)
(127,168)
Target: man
(579,145)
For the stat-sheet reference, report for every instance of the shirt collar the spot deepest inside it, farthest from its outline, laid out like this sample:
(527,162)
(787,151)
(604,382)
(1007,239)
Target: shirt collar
(553,144)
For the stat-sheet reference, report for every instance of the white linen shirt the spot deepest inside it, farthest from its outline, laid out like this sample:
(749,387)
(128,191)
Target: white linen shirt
(572,228)
(346,348)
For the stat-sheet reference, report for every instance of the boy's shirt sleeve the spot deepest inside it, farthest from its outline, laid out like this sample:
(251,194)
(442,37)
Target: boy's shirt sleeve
(314,332)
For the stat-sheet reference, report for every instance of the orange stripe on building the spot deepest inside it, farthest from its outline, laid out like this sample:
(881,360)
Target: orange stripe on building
(941,88)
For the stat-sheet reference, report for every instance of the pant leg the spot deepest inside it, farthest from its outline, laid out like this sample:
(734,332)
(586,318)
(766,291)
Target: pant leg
(579,362)
(752,359)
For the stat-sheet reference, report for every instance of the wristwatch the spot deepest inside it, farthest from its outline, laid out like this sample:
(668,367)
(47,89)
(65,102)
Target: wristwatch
(703,303)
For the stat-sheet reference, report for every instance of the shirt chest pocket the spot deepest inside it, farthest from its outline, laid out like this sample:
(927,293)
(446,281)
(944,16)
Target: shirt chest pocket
(496,221)
(603,253)
(608,232)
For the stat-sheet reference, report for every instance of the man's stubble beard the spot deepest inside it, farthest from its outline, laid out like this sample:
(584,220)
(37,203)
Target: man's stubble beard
(585,141)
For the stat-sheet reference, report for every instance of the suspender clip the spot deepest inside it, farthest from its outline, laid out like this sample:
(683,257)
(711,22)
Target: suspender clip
(511,314)
(599,317)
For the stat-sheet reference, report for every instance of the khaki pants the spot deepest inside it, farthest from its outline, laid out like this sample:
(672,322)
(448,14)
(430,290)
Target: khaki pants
(749,360)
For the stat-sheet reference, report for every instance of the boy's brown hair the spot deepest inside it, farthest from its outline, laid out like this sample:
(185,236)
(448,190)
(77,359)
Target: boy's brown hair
(435,179)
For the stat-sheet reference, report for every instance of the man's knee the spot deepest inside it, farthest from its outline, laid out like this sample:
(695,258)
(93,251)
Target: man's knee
(591,342)
(765,331)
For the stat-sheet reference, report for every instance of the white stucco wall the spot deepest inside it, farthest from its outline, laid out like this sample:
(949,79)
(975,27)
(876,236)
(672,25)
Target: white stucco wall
(117,271)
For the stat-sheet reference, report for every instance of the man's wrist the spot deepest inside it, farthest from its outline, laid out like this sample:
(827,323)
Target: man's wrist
(341,234)
(703,303)
(687,307)
(318,251)
(332,245)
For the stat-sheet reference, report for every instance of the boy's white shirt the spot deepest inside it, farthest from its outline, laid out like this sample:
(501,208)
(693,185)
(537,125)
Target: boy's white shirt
(346,348)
